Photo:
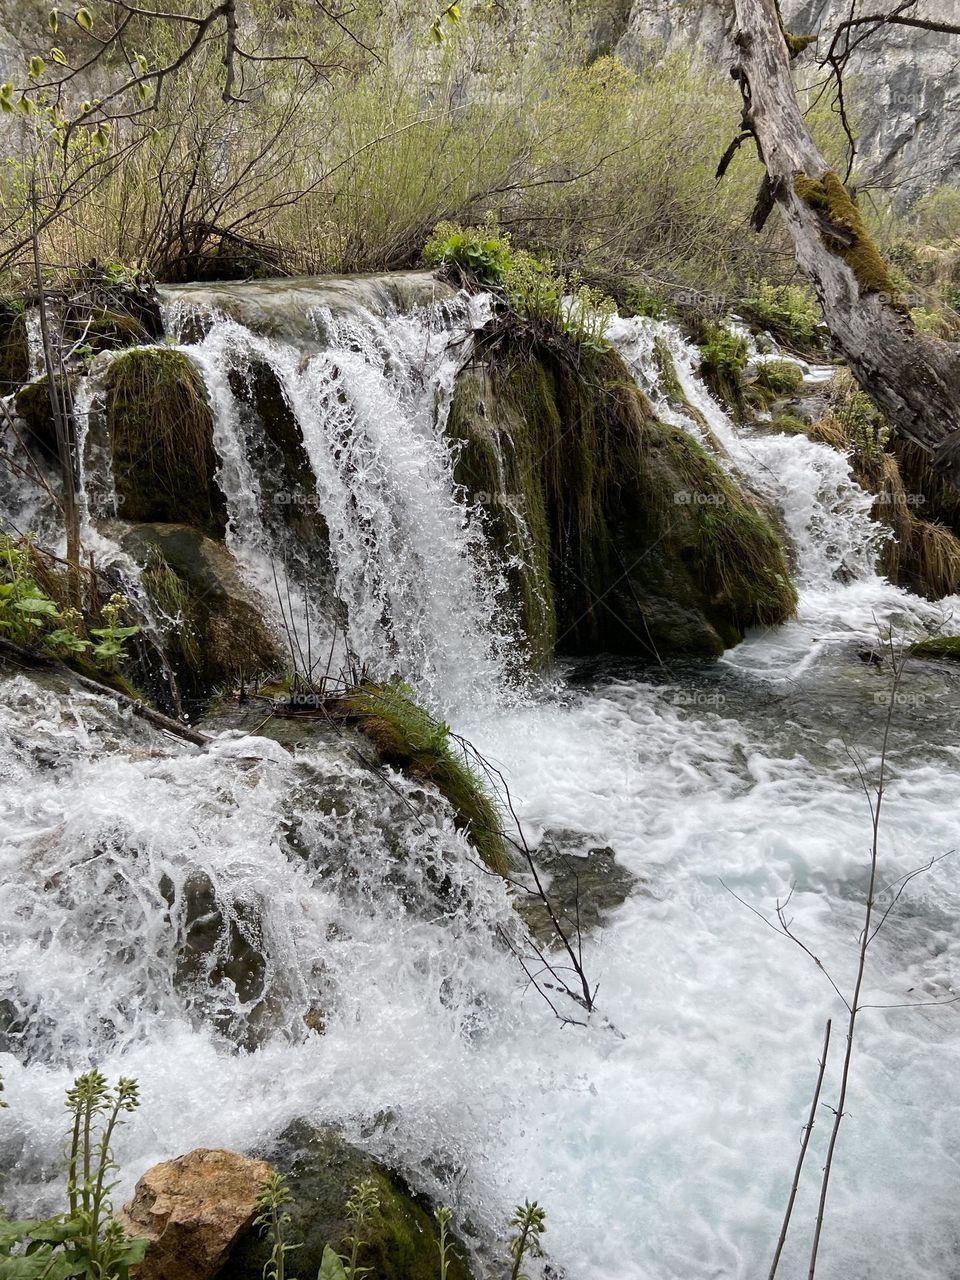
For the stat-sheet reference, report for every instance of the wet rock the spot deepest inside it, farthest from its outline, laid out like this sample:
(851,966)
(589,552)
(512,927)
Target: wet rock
(323,1169)
(192,1209)
(584,883)
(14,349)
(216,630)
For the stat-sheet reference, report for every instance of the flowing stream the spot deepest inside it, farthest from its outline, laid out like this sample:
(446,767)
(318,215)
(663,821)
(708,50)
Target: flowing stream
(661,1141)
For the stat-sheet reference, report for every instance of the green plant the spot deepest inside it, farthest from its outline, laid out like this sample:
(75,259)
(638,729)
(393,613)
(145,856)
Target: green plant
(530,1222)
(789,311)
(272,1219)
(360,1209)
(482,252)
(86,1241)
(779,377)
(443,1216)
(723,358)
(30,617)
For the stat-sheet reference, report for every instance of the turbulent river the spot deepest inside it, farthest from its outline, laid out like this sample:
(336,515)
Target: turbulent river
(662,1138)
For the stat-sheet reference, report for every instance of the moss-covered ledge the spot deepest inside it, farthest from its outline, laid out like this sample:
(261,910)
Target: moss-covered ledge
(654,549)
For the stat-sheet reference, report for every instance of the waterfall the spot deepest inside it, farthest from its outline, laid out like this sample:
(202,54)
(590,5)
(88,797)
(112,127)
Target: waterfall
(260,934)
(370,407)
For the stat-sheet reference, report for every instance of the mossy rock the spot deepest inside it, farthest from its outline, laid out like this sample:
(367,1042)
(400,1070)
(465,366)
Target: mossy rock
(33,408)
(14,347)
(213,629)
(288,486)
(493,461)
(788,424)
(408,739)
(161,435)
(654,548)
(105,330)
(938,647)
(401,1240)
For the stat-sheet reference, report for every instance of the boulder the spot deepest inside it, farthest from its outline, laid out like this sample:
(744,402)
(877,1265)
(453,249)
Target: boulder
(192,1209)
(621,533)
(323,1169)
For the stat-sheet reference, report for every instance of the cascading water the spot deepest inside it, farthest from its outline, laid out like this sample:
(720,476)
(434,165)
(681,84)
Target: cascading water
(663,1152)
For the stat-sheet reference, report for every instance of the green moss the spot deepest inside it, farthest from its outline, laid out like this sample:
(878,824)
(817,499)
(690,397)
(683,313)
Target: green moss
(33,406)
(845,233)
(789,425)
(797,44)
(938,647)
(496,465)
(109,330)
(14,347)
(161,436)
(410,740)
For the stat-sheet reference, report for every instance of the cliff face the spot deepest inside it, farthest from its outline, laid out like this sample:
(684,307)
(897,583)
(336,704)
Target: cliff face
(904,84)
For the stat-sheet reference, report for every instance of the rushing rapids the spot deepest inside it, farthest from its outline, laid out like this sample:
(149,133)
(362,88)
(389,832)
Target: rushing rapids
(662,1140)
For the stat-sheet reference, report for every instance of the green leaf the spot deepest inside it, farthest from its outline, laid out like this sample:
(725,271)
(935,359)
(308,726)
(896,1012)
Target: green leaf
(84,19)
(37,604)
(53,20)
(331,1265)
(58,56)
(36,67)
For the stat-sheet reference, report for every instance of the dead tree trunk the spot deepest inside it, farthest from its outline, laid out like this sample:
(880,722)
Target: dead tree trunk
(912,378)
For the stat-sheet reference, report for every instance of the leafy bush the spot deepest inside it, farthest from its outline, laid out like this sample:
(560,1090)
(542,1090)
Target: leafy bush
(789,311)
(862,424)
(86,1241)
(531,286)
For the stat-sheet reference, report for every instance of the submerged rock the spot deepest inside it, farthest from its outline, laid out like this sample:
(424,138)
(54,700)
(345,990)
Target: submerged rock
(323,1169)
(640,542)
(192,1209)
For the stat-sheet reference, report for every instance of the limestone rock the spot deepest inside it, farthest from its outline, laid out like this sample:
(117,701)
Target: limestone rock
(192,1209)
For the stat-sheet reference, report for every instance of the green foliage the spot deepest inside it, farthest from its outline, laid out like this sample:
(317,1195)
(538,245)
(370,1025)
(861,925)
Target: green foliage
(273,1220)
(408,738)
(443,1217)
(30,617)
(480,252)
(531,286)
(86,1241)
(789,311)
(363,1204)
(863,426)
(937,214)
(530,1222)
(723,358)
(780,377)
